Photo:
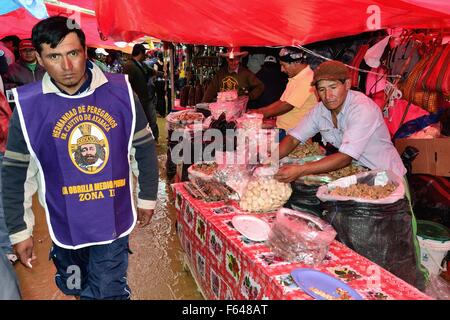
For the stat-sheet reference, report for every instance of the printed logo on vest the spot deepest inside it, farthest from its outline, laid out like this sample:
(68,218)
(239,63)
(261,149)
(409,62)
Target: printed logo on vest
(229,83)
(88,148)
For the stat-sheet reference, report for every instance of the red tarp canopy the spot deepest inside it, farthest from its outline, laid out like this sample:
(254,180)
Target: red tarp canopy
(262,23)
(20,22)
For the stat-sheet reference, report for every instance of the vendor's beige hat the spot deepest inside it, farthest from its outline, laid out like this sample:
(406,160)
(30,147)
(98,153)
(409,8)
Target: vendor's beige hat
(234,52)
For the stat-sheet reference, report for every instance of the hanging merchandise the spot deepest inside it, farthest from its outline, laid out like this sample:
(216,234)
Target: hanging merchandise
(375,52)
(429,100)
(436,74)
(404,57)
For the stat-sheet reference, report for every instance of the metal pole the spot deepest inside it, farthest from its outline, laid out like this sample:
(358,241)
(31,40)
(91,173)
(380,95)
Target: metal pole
(172,81)
(165,48)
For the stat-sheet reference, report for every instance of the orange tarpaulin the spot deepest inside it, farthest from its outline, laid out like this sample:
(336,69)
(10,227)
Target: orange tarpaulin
(258,23)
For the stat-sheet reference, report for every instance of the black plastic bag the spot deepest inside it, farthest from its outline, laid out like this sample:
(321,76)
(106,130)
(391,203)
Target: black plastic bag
(303,198)
(380,232)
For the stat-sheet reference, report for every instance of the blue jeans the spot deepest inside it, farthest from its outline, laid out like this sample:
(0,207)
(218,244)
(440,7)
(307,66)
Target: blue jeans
(5,244)
(96,272)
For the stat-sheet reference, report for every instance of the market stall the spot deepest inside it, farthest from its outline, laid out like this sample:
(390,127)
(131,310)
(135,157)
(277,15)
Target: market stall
(227,265)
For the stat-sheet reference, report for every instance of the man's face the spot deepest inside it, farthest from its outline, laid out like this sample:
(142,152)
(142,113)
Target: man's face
(28,55)
(233,64)
(89,153)
(66,63)
(333,93)
(289,68)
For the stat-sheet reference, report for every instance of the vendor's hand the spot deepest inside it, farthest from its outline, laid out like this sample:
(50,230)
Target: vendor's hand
(25,252)
(144,216)
(289,173)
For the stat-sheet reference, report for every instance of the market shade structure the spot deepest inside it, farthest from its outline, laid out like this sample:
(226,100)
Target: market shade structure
(20,22)
(263,23)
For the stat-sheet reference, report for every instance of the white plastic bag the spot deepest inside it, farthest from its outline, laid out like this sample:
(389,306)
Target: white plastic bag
(374,177)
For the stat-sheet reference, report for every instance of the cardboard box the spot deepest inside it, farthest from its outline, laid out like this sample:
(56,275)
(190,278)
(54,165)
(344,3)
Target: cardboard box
(433,157)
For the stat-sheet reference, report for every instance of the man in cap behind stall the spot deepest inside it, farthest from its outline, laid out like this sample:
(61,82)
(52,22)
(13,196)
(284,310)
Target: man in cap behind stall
(298,98)
(234,77)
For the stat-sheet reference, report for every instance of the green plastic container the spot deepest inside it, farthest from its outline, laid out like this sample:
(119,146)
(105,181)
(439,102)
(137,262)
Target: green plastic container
(432,230)
(434,240)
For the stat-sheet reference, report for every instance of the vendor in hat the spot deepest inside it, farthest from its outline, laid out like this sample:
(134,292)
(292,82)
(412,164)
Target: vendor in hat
(348,120)
(234,77)
(298,98)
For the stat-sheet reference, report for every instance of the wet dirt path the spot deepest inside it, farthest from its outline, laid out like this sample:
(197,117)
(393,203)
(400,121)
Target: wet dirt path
(155,270)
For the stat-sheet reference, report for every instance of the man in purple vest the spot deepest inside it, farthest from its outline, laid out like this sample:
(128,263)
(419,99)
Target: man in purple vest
(73,137)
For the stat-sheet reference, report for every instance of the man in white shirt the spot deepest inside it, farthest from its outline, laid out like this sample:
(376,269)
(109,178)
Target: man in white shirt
(348,120)
(353,123)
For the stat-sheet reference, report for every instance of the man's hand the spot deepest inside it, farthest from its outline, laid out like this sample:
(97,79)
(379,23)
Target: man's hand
(289,173)
(144,216)
(25,252)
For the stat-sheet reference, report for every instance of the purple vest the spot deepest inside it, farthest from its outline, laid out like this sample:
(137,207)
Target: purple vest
(81,145)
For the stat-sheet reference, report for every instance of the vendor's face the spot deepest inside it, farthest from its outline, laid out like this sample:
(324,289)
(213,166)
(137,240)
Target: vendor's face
(291,69)
(333,93)
(66,63)
(233,63)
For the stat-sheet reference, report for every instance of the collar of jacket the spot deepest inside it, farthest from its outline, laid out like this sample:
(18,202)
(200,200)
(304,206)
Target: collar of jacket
(25,64)
(98,79)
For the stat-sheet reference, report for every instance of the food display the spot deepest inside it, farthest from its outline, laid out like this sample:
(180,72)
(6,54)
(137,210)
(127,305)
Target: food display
(203,170)
(230,139)
(181,119)
(231,105)
(189,117)
(210,191)
(361,190)
(349,170)
(224,96)
(207,168)
(250,121)
(265,194)
(222,124)
(306,150)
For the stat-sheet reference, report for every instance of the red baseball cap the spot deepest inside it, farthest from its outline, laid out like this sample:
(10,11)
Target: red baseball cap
(26,44)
